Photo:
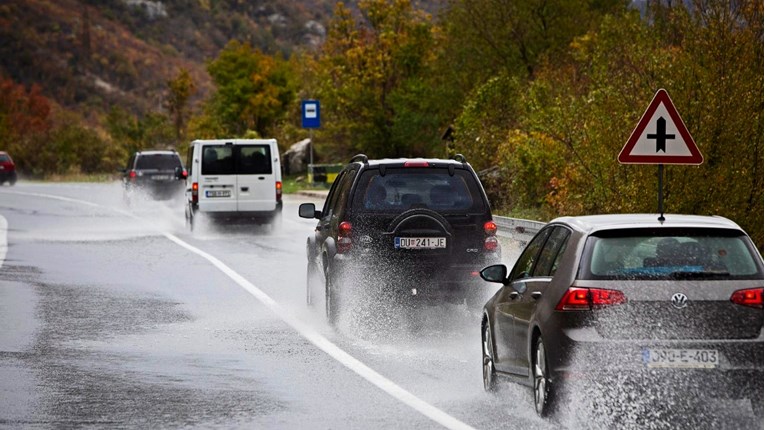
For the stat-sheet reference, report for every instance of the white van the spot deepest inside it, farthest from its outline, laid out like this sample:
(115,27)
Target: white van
(234,180)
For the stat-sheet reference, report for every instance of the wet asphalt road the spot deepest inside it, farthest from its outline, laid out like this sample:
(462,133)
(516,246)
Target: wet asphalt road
(106,322)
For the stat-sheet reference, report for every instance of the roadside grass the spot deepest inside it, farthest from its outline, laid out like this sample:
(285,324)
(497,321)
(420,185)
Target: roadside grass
(73,177)
(291,184)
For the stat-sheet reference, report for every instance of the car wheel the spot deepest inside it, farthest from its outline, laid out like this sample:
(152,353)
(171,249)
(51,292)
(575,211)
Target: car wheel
(543,392)
(312,275)
(489,374)
(330,298)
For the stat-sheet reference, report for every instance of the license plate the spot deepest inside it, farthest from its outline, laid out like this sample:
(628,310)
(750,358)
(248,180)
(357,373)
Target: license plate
(218,193)
(419,242)
(681,358)
(160,177)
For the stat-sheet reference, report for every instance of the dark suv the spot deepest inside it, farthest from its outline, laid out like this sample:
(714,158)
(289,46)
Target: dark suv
(7,169)
(158,174)
(411,230)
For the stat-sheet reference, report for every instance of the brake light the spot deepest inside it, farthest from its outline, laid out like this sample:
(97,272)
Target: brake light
(584,299)
(195,192)
(344,237)
(490,243)
(751,297)
(184,174)
(490,228)
(416,164)
(278,191)
(131,175)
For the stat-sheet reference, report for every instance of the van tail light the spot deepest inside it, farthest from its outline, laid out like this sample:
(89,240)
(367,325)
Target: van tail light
(278,191)
(490,243)
(131,175)
(751,297)
(195,192)
(585,299)
(344,237)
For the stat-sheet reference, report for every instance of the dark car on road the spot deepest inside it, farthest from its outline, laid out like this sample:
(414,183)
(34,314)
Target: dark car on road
(7,169)
(157,174)
(401,230)
(659,309)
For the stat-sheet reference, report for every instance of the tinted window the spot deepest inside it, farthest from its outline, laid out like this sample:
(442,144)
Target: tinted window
(334,193)
(671,254)
(254,160)
(157,162)
(525,263)
(4,158)
(551,252)
(218,160)
(406,188)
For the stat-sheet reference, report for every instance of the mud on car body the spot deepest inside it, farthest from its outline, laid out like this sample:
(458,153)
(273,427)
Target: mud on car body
(408,230)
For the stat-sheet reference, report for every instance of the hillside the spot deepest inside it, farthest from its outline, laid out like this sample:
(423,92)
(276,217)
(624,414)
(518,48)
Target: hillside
(90,55)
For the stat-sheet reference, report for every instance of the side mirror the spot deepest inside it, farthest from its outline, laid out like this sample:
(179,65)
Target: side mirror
(496,273)
(308,210)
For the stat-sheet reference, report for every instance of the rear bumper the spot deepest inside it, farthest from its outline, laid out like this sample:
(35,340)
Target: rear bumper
(415,280)
(243,216)
(6,175)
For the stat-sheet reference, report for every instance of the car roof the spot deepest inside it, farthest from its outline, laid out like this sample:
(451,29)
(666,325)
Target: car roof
(396,162)
(233,141)
(588,224)
(157,152)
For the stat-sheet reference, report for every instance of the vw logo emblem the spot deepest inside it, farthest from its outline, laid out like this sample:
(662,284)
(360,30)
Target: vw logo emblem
(679,300)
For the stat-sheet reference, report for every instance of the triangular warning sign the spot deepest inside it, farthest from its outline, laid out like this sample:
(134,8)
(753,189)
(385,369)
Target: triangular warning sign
(661,137)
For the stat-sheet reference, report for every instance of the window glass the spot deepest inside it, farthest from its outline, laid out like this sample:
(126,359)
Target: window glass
(333,194)
(529,256)
(218,160)
(157,162)
(550,253)
(4,158)
(254,160)
(405,188)
(343,192)
(669,254)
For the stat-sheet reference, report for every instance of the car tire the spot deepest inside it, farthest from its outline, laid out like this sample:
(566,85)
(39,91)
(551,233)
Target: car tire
(311,284)
(331,302)
(489,373)
(544,399)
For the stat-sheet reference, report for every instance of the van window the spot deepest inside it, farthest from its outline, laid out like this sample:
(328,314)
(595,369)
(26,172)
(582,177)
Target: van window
(254,160)
(236,160)
(218,160)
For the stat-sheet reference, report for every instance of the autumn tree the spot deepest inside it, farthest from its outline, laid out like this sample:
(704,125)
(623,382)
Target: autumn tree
(180,89)
(254,90)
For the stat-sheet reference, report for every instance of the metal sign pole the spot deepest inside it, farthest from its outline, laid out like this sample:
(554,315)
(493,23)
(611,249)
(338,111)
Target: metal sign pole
(661,192)
(310,150)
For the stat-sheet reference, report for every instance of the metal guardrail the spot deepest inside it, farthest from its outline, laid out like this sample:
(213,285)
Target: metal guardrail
(522,230)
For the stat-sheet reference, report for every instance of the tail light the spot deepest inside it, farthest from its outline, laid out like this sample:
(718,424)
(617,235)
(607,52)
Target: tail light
(278,191)
(585,299)
(131,175)
(751,297)
(416,164)
(344,237)
(490,243)
(195,192)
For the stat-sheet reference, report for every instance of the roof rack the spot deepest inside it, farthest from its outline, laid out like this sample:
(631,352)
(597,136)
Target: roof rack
(360,157)
(459,157)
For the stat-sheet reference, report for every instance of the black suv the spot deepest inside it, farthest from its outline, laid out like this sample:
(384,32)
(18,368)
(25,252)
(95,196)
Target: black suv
(412,230)
(158,174)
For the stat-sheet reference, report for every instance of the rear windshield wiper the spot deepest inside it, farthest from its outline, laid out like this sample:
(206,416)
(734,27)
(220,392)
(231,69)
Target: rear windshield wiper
(699,274)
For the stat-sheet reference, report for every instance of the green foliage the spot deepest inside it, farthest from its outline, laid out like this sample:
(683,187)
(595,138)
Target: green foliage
(153,131)
(180,89)
(254,90)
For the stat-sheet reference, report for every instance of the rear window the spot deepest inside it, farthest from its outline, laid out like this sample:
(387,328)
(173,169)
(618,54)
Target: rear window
(236,160)
(158,162)
(670,254)
(408,188)
(4,158)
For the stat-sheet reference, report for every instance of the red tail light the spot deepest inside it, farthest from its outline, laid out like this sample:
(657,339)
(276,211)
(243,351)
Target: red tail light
(184,174)
(490,243)
(584,299)
(278,191)
(344,237)
(416,164)
(195,192)
(751,297)
(131,175)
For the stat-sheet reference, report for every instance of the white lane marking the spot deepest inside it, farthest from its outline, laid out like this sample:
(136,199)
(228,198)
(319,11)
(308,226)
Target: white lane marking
(3,239)
(313,336)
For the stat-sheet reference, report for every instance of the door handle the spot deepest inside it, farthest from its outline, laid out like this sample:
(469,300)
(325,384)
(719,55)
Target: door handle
(245,189)
(514,295)
(536,295)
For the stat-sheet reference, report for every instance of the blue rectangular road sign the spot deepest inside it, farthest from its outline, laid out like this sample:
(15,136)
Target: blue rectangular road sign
(311,114)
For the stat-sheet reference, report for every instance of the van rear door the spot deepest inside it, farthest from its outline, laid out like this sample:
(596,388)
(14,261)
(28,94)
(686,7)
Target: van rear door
(256,179)
(217,181)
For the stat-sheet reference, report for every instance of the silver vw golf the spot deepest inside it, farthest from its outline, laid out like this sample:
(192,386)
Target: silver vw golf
(659,310)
